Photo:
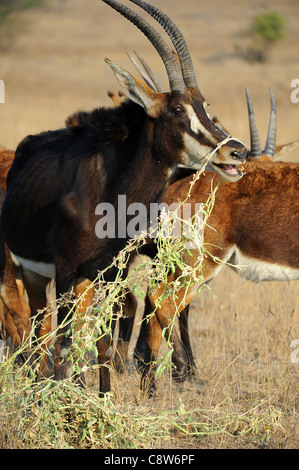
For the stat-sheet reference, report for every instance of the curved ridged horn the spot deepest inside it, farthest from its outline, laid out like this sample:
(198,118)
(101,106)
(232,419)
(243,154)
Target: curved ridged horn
(271,136)
(177,39)
(255,147)
(175,78)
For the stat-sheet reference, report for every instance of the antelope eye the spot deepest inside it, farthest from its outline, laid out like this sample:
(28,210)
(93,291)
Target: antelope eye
(178,111)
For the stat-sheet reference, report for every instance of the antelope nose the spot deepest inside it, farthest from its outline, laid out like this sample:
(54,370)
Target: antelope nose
(238,155)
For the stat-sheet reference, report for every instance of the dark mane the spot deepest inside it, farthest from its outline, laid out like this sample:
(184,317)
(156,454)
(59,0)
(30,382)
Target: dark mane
(112,125)
(86,133)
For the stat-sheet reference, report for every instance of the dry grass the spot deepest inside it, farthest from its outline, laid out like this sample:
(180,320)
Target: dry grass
(246,382)
(246,391)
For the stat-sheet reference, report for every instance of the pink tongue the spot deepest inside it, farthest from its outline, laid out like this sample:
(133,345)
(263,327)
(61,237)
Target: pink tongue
(230,169)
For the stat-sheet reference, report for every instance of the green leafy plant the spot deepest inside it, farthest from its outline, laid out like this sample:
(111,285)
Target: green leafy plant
(269,27)
(11,21)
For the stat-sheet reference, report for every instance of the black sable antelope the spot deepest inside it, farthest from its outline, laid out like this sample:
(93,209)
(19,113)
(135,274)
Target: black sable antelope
(58,178)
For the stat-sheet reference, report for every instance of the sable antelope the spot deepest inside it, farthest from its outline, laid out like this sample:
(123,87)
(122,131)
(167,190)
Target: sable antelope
(253,228)
(58,178)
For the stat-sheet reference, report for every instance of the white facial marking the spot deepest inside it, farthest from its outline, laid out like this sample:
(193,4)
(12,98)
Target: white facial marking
(196,126)
(193,149)
(195,123)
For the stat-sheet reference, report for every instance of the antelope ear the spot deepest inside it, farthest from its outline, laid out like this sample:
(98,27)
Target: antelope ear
(282,150)
(137,91)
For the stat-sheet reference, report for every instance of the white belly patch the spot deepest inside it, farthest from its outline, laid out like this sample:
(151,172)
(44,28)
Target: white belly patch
(43,269)
(257,270)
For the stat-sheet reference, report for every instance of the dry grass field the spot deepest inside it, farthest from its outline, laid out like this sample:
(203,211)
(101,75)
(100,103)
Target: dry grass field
(247,385)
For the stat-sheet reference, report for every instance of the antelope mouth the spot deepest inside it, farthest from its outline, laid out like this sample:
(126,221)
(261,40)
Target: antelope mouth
(227,171)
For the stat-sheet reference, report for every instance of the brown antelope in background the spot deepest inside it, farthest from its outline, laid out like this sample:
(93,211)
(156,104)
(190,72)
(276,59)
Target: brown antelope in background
(58,178)
(14,311)
(253,229)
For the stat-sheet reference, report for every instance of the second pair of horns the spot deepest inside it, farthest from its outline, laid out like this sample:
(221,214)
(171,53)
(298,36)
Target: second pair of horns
(255,145)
